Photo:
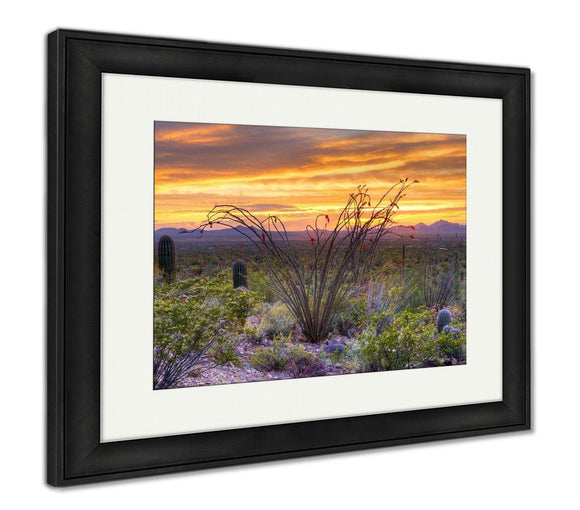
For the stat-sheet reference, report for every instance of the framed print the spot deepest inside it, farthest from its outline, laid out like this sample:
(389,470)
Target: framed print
(259,253)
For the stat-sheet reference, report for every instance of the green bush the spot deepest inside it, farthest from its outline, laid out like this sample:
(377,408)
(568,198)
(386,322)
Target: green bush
(261,288)
(271,358)
(210,270)
(303,363)
(276,320)
(440,281)
(190,318)
(289,357)
(405,342)
(376,303)
(385,299)
(251,334)
(225,352)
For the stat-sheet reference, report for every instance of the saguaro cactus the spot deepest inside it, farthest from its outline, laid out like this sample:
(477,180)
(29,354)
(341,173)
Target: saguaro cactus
(166,257)
(443,318)
(240,274)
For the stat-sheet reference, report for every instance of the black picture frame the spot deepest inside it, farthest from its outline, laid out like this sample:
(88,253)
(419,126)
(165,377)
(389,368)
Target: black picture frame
(75,62)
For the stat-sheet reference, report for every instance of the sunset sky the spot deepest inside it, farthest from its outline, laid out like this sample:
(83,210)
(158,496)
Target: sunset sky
(297,173)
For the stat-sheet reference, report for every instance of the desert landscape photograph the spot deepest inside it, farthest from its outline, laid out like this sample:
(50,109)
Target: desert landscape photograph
(291,252)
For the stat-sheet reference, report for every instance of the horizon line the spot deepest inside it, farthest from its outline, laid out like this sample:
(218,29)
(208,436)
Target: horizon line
(395,226)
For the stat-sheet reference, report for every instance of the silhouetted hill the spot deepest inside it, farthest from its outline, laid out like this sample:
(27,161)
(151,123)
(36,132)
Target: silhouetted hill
(439,228)
(214,234)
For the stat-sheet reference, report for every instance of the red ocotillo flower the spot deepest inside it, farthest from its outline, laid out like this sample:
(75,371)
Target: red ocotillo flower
(412,236)
(364,246)
(312,241)
(264,238)
(327,218)
(371,241)
(400,261)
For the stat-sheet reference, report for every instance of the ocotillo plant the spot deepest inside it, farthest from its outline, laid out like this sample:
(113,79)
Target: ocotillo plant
(166,257)
(342,254)
(240,274)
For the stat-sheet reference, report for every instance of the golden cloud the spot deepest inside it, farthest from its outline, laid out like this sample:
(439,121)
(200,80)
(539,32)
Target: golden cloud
(297,173)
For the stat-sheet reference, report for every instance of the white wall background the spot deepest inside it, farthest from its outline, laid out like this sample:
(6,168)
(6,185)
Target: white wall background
(515,470)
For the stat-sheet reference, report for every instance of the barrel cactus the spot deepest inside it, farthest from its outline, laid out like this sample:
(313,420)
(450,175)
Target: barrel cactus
(166,257)
(240,274)
(454,344)
(449,330)
(443,319)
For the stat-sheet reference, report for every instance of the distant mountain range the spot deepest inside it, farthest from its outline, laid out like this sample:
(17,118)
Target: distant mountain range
(439,228)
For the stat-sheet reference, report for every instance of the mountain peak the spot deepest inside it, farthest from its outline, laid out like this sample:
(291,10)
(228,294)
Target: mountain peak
(441,227)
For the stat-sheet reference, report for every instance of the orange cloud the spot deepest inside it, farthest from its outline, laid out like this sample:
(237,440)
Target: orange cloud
(297,173)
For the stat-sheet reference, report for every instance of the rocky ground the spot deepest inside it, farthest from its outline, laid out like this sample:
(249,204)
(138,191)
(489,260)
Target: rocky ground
(209,374)
(326,355)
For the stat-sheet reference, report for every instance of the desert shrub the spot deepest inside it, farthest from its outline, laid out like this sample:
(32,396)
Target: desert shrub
(276,320)
(284,356)
(384,299)
(157,271)
(271,358)
(250,333)
(417,298)
(439,284)
(225,352)
(210,270)
(440,274)
(404,343)
(261,288)
(302,363)
(190,318)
